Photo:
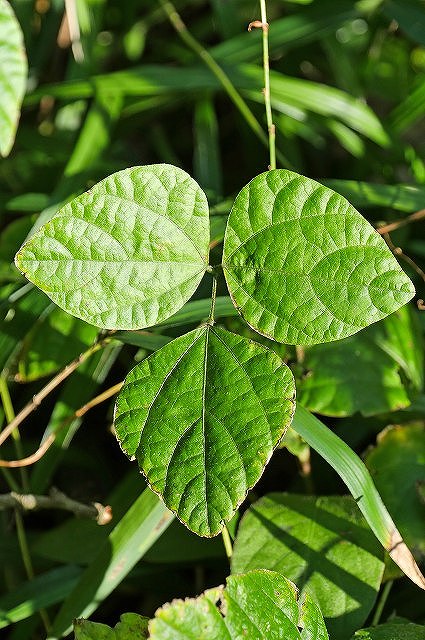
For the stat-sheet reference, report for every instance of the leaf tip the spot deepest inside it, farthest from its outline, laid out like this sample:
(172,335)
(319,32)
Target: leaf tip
(402,556)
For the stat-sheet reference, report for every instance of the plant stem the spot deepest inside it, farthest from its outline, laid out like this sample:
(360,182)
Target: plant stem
(381,603)
(55,500)
(26,559)
(267,101)
(9,412)
(215,68)
(213,299)
(227,542)
(392,226)
(50,386)
(47,442)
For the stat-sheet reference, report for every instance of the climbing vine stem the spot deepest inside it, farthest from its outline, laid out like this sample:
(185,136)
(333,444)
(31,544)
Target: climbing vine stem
(267,100)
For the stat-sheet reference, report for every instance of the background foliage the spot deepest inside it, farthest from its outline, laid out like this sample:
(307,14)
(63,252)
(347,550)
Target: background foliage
(116,86)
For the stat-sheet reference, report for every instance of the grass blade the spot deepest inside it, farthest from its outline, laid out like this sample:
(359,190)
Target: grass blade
(136,532)
(45,590)
(358,480)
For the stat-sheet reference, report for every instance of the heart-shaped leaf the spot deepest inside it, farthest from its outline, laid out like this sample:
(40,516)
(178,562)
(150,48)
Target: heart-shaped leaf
(303,266)
(13,75)
(259,605)
(202,416)
(126,254)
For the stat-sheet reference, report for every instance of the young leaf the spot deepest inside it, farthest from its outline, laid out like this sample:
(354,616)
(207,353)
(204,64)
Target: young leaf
(13,75)
(303,266)
(259,605)
(202,416)
(323,544)
(126,254)
(131,627)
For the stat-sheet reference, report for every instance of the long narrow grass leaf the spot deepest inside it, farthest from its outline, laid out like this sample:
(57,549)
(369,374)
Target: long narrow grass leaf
(360,484)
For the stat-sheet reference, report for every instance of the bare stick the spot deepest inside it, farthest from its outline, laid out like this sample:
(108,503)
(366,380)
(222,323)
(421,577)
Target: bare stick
(219,73)
(398,251)
(47,443)
(392,226)
(50,386)
(56,500)
(264,25)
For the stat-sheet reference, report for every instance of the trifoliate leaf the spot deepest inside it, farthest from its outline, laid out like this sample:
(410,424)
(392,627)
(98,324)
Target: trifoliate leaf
(202,416)
(126,254)
(303,266)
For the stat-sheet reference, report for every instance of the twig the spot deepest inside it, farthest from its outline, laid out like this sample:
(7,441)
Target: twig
(398,251)
(47,443)
(56,500)
(392,226)
(50,386)
(264,25)
(215,68)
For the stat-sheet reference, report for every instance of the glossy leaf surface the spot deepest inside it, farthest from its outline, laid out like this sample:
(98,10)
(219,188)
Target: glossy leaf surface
(322,544)
(202,416)
(13,75)
(260,605)
(303,266)
(128,253)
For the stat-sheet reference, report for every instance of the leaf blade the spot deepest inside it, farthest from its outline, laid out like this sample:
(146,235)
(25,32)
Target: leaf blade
(303,266)
(121,255)
(200,446)
(257,605)
(13,75)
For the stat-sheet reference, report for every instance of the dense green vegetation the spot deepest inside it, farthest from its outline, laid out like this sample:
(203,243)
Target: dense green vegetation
(163,88)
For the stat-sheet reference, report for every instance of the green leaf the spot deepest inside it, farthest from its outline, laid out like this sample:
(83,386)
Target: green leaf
(126,254)
(397,464)
(202,416)
(289,32)
(43,591)
(289,94)
(131,627)
(392,631)
(260,605)
(410,110)
(402,197)
(410,15)
(13,76)
(206,157)
(360,484)
(323,545)
(303,266)
(380,358)
(56,339)
(132,536)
